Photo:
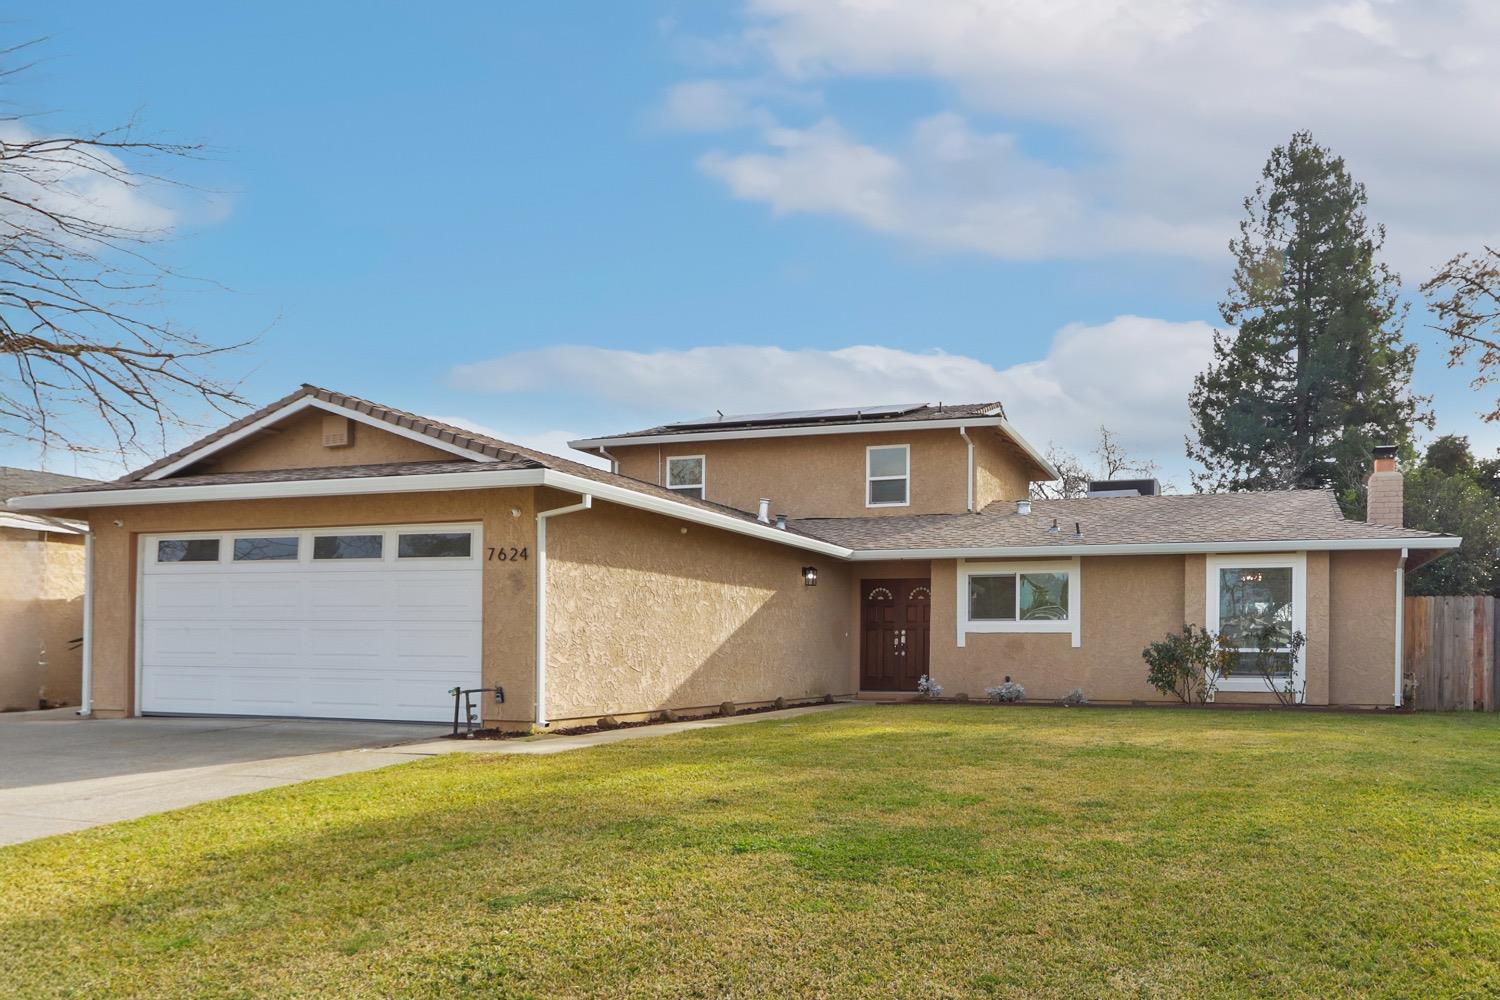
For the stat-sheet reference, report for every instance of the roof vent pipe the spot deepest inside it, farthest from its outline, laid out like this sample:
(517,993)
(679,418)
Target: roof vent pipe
(764,514)
(1023,506)
(781,521)
(1078,529)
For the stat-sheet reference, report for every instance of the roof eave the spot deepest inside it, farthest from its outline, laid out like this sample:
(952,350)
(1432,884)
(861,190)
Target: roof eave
(1158,548)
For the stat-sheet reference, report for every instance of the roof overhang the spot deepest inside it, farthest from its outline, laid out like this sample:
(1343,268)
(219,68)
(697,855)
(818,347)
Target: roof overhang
(31,522)
(1160,548)
(811,430)
(425,483)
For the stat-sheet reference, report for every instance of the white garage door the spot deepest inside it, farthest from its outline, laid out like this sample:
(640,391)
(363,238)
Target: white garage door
(339,623)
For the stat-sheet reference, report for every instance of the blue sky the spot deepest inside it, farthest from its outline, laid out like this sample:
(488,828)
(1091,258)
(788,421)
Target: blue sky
(567,219)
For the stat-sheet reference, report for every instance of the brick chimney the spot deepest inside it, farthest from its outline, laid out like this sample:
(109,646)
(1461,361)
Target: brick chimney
(1384,503)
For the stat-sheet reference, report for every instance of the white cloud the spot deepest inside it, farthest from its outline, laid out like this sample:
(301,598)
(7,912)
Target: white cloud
(1172,103)
(551,442)
(1131,374)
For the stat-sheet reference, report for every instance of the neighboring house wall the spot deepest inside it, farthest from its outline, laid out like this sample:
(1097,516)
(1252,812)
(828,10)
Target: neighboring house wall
(41,612)
(824,475)
(646,612)
(297,443)
(1131,601)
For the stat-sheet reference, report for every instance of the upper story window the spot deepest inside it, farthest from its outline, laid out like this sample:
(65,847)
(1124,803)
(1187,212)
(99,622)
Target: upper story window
(888,475)
(685,474)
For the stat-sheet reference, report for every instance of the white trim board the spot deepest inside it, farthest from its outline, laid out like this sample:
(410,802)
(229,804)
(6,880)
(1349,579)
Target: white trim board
(1072,626)
(1297,563)
(1154,548)
(297,406)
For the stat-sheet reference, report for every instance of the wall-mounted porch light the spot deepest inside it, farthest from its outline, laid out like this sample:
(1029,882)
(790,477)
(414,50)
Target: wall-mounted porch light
(810,575)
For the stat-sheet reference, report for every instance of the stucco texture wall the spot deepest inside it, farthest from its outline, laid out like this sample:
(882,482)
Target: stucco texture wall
(41,612)
(647,612)
(1131,601)
(509,587)
(297,443)
(824,475)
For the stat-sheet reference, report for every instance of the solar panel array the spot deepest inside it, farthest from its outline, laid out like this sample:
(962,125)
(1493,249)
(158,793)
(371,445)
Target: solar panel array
(800,416)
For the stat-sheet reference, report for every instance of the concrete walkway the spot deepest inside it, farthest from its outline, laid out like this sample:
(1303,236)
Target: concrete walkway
(59,773)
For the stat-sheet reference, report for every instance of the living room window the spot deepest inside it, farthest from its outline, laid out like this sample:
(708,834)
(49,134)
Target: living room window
(1019,597)
(888,475)
(685,474)
(1248,594)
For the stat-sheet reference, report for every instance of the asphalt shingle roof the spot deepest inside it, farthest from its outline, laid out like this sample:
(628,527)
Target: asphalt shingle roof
(1283,516)
(21,482)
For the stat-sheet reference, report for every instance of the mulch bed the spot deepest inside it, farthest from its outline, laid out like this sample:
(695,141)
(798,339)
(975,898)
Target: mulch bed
(500,734)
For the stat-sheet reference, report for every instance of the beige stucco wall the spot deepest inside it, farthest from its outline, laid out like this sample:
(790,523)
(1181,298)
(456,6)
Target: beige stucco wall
(1131,601)
(647,612)
(824,475)
(1362,612)
(297,443)
(509,587)
(41,612)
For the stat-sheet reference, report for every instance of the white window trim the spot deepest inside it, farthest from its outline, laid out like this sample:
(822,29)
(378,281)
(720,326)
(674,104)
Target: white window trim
(701,485)
(1073,626)
(391,534)
(884,479)
(1297,563)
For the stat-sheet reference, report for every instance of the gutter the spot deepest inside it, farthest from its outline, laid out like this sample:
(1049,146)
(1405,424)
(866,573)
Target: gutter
(1400,627)
(964,433)
(542,516)
(1155,548)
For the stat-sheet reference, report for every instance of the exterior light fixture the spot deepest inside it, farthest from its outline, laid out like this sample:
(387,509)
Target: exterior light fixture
(810,575)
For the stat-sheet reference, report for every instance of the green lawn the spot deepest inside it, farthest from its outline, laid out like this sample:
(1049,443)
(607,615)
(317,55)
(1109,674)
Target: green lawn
(916,851)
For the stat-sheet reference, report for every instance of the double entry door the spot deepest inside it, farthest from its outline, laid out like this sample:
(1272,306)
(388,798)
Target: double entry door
(894,620)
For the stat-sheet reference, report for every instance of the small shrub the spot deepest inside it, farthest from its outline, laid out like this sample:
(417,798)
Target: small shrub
(828,698)
(1075,697)
(666,715)
(727,708)
(1007,693)
(608,722)
(928,688)
(1189,664)
(779,703)
(1275,659)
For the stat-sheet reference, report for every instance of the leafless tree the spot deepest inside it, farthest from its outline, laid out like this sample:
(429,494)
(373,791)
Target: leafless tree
(80,292)
(1111,461)
(1465,295)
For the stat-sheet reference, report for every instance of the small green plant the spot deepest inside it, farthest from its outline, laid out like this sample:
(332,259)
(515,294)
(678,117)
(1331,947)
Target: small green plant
(1075,697)
(779,703)
(1189,664)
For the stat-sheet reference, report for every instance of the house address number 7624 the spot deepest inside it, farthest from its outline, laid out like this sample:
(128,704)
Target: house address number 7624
(499,553)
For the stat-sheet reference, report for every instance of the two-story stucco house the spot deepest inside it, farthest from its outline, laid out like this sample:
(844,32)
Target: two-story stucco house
(331,557)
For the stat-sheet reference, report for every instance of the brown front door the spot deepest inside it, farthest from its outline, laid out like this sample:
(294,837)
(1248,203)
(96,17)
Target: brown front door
(894,618)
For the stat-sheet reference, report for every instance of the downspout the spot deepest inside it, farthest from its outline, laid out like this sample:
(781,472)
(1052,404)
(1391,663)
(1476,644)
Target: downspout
(964,432)
(86,702)
(614,463)
(540,707)
(1400,626)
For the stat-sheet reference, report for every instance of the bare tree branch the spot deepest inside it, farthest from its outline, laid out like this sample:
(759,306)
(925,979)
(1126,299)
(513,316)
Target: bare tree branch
(1465,295)
(81,294)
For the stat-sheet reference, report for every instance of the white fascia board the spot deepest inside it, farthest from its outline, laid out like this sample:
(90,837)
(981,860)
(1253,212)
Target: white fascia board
(686,512)
(588,444)
(1157,548)
(30,522)
(279,490)
(298,405)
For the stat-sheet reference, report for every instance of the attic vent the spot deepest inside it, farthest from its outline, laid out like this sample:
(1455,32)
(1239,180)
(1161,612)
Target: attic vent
(336,431)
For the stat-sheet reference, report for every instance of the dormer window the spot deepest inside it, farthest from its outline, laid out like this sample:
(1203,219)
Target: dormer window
(888,475)
(685,474)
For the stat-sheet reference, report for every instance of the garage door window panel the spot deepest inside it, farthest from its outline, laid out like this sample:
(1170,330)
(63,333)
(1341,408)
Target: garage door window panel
(436,545)
(180,550)
(278,548)
(327,547)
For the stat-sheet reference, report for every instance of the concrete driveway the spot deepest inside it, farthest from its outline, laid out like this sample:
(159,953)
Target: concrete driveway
(59,773)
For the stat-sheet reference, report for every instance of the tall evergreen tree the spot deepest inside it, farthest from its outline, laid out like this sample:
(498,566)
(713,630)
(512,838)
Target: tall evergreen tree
(1317,373)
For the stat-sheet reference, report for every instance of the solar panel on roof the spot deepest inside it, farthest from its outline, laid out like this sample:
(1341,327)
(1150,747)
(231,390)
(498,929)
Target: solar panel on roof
(799,416)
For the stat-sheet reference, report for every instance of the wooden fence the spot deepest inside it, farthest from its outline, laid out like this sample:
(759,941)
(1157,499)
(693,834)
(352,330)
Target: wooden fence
(1452,653)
